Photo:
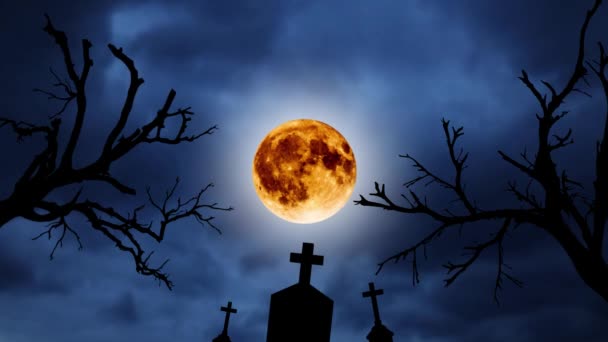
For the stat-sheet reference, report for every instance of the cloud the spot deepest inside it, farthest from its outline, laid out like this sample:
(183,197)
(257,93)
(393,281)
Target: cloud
(203,43)
(257,261)
(122,311)
(16,273)
(545,38)
(22,275)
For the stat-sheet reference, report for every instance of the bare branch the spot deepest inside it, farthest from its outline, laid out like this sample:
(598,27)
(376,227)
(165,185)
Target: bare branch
(115,225)
(571,209)
(52,96)
(527,197)
(79,83)
(600,203)
(108,228)
(562,141)
(135,82)
(145,133)
(62,41)
(425,174)
(66,99)
(422,243)
(44,162)
(579,68)
(23,129)
(113,182)
(458,162)
(63,225)
(541,99)
(190,208)
(503,273)
(30,197)
(476,251)
(528,170)
(577,90)
(560,199)
(550,87)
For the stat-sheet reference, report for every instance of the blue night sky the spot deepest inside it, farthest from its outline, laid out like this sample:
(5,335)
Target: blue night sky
(383,73)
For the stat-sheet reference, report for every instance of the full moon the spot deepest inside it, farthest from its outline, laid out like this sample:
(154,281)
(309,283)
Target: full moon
(304,171)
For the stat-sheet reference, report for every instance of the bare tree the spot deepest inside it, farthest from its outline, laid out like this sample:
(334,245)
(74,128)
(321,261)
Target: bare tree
(53,169)
(576,223)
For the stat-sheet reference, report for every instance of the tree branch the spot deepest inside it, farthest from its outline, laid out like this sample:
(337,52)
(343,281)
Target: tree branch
(112,224)
(503,273)
(528,197)
(79,83)
(600,203)
(559,198)
(29,198)
(23,129)
(475,252)
(458,162)
(135,82)
(66,99)
(528,170)
(63,225)
(579,68)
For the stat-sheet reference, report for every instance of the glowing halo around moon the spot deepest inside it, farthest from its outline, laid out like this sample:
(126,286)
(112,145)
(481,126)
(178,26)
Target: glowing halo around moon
(304,171)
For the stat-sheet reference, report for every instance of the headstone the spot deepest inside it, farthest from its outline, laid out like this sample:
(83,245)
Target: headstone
(301,313)
(223,337)
(379,332)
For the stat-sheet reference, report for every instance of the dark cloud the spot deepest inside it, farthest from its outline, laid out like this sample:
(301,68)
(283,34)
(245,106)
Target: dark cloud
(235,35)
(544,39)
(16,273)
(196,271)
(211,44)
(122,311)
(259,261)
(23,275)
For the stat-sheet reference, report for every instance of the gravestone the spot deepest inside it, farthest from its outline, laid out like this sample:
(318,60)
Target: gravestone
(379,332)
(223,337)
(300,313)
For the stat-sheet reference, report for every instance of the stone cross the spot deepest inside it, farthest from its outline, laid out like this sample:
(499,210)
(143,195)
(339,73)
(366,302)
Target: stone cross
(306,259)
(373,293)
(229,310)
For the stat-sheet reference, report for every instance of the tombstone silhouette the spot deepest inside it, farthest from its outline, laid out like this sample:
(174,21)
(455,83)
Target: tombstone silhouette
(223,337)
(300,313)
(379,332)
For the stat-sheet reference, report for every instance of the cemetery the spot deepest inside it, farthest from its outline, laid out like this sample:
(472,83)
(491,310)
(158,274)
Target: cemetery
(302,313)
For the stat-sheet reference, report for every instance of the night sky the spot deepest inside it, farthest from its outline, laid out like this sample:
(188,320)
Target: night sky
(383,73)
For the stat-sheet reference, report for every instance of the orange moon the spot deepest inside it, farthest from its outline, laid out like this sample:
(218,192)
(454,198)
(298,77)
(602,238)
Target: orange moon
(304,171)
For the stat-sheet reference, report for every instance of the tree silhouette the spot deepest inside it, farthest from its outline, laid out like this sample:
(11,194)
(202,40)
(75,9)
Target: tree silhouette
(575,222)
(53,169)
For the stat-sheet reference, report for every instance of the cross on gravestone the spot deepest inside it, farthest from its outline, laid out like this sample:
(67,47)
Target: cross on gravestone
(300,313)
(306,259)
(379,332)
(229,310)
(373,293)
(223,337)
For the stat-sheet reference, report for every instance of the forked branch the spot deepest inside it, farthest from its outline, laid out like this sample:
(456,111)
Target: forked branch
(52,168)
